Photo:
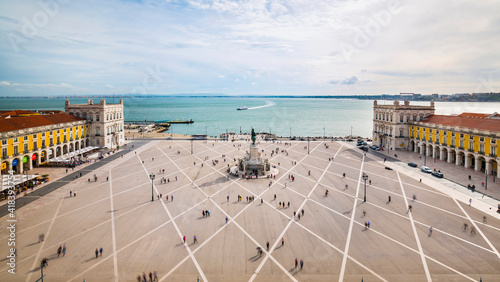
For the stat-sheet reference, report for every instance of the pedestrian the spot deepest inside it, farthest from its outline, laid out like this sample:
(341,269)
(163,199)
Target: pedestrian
(469,177)
(410,208)
(227,198)
(296,262)
(294,214)
(430,231)
(59,250)
(100,251)
(368,223)
(41,237)
(70,193)
(364,213)
(107,178)
(485,219)
(280,204)
(389,199)
(96,253)
(385,159)
(267,246)
(261,201)
(470,201)
(302,211)
(64,250)
(155,276)
(184,239)
(175,177)
(301,264)
(288,204)
(369,182)
(195,240)
(226,219)
(172,198)
(167,197)
(150,273)
(282,241)
(74,193)
(275,196)
(299,216)
(343,174)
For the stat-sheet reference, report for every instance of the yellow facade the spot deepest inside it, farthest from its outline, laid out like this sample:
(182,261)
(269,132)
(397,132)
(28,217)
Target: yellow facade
(419,132)
(30,140)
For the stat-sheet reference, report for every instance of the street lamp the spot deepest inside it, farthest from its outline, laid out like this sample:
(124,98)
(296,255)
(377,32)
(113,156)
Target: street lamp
(365,177)
(486,181)
(324,133)
(152,177)
(425,155)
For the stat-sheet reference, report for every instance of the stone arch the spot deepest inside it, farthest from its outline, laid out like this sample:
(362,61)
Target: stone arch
(43,156)
(35,160)
(58,151)
(16,165)
(65,149)
(77,145)
(481,163)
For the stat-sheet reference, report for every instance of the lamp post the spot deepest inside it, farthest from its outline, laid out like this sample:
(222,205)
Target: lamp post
(290,132)
(365,177)
(486,180)
(324,133)
(152,177)
(425,155)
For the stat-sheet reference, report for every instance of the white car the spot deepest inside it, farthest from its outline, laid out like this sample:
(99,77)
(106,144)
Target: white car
(426,169)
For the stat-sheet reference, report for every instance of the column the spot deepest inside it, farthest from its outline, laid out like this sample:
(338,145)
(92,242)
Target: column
(488,167)
(427,151)
(458,161)
(467,161)
(441,154)
(450,156)
(477,166)
(434,152)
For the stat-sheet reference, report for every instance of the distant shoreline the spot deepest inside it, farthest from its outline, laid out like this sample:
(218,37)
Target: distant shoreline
(482,97)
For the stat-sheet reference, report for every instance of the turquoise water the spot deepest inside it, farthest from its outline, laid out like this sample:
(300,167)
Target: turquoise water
(301,116)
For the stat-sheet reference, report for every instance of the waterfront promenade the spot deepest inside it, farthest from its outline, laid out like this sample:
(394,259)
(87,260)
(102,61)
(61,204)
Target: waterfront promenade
(139,235)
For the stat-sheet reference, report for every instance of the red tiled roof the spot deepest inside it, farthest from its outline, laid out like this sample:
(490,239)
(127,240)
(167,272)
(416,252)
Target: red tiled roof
(474,115)
(466,120)
(23,122)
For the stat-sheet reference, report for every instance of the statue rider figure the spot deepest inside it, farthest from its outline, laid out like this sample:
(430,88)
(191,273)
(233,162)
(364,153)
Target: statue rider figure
(253,136)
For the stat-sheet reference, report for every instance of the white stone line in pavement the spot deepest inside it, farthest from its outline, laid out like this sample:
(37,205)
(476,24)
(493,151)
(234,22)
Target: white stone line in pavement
(113,233)
(397,214)
(341,252)
(237,225)
(351,224)
(395,241)
(197,265)
(291,221)
(140,238)
(79,234)
(478,229)
(43,242)
(421,251)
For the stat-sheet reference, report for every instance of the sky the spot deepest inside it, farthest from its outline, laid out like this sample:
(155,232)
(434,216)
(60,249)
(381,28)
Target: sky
(248,47)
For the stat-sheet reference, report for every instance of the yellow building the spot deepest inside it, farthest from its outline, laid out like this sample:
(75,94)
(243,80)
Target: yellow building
(29,139)
(468,139)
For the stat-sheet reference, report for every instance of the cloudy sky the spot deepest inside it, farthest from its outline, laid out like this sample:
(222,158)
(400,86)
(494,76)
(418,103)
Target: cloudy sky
(268,47)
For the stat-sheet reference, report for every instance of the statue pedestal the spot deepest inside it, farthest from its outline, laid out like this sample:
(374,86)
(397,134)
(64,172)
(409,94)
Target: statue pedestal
(254,152)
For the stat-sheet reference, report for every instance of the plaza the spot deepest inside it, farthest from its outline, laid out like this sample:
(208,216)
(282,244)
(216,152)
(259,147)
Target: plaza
(138,235)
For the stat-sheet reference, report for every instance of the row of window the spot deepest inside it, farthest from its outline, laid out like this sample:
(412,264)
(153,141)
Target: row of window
(98,118)
(388,117)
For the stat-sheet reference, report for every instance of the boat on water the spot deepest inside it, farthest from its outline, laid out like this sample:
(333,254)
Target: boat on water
(241,108)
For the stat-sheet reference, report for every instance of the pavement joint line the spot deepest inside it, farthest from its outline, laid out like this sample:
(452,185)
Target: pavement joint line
(397,242)
(81,233)
(85,206)
(289,222)
(43,242)
(479,230)
(197,265)
(340,251)
(421,251)
(141,237)
(113,233)
(233,221)
(351,224)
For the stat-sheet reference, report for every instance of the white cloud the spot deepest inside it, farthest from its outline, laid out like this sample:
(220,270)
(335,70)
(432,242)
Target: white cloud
(427,46)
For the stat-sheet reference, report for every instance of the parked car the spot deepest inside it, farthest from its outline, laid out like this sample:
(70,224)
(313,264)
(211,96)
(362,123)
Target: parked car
(437,174)
(426,169)
(412,164)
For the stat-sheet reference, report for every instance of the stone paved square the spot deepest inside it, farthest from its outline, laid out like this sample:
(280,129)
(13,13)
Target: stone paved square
(139,235)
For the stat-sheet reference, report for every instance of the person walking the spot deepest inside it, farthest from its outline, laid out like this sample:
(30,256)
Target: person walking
(389,199)
(301,264)
(430,231)
(227,198)
(282,241)
(195,240)
(470,202)
(96,253)
(267,246)
(226,219)
(59,250)
(296,262)
(184,239)
(100,251)
(302,211)
(64,250)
